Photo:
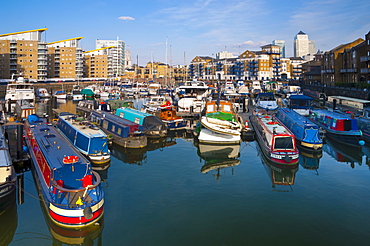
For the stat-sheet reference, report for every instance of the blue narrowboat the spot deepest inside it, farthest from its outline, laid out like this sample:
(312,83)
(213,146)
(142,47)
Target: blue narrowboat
(153,126)
(306,133)
(70,189)
(86,137)
(125,133)
(338,126)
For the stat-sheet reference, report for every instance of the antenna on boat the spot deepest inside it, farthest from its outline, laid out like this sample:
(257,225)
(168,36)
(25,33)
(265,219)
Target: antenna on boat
(218,94)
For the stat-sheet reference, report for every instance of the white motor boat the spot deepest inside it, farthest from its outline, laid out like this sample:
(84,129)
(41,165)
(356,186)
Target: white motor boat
(266,101)
(42,93)
(21,89)
(192,97)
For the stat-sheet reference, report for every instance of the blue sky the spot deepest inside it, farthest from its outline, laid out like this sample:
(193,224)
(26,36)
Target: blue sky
(191,27)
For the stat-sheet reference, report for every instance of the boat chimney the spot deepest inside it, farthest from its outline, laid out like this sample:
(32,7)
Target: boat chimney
(20,185)
(334,104)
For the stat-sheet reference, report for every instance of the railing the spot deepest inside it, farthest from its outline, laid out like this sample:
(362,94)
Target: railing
(71,192)
(365,58)
(348,70)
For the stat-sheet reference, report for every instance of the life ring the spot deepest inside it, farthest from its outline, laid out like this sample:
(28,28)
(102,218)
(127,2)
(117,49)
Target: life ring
(70,159)
(272,123)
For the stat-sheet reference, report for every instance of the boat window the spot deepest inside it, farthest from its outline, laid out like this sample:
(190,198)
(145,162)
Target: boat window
(113,128)
(210,108)
(119,130)
(137,120)
(122,115)
(105,124)
(347,125)
(227,108)
(283,143)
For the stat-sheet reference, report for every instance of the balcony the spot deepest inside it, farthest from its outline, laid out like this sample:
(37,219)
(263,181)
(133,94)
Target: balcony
(365,58)
(365,70)
(348,70)
(269,52)
(327,71)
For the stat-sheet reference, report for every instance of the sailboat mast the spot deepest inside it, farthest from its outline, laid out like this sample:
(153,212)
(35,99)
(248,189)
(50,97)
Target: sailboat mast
(166,63)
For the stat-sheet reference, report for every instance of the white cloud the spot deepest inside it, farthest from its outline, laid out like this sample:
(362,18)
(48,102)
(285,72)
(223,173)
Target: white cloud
(126,18)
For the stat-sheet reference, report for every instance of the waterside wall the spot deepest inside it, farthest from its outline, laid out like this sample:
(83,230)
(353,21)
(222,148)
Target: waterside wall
(340,91)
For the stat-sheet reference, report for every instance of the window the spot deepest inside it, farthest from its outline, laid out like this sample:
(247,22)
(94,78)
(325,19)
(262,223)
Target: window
(283,143)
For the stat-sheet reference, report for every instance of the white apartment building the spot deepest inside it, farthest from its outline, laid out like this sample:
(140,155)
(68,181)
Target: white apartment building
(118,54)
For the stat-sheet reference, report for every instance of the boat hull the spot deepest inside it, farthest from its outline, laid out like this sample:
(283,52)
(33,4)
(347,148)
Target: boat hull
(136,142)
(212,137)
(221,126)
(64,217)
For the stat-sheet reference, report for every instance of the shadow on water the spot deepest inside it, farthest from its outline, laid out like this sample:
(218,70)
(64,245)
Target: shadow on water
(8,213)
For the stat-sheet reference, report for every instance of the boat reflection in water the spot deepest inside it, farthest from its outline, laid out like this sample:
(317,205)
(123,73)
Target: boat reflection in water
(309,160)
(69,236)
(282,176)
(343,153)
(8,218)
(366,156)
(218,157)
(130,156)
(139,156)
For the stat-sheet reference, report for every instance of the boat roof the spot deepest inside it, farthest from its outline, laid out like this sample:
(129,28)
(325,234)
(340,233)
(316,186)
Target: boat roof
(114,118)
(351,99)
(332,114)
(81,126)
(134,112)
(297,118)
(300,97)
(276,126)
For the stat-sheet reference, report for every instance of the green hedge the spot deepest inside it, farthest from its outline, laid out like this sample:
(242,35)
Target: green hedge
(353,85)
